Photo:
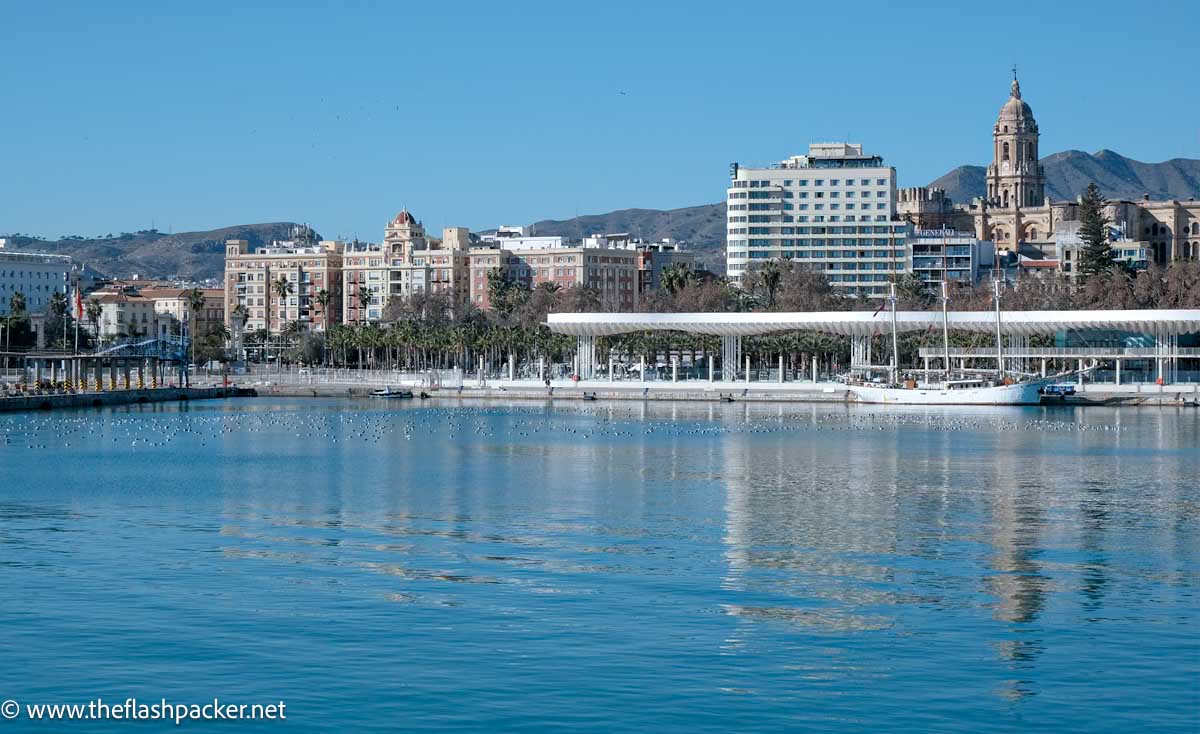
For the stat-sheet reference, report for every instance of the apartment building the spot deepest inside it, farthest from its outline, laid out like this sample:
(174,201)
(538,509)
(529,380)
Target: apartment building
(612,272)
(37,277)
(174,304)
(310,266)
(405,263)
(126,313)
(949,255)
(833,210)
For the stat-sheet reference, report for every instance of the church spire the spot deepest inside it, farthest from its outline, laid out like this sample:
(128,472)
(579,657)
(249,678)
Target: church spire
(1016,85)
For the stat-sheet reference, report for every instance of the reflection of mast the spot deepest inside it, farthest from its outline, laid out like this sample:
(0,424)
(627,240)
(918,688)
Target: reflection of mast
(1017,581)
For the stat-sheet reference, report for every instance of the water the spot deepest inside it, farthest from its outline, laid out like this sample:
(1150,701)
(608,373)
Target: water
(600,567)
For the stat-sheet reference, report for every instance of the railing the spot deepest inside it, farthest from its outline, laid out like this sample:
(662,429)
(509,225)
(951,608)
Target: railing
(1102,352)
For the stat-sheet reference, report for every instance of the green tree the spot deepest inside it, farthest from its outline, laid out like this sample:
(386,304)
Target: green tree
(94,311)
(282,289)
(323,298)
(195,304)
(675,277)
(364,300)
(1096,254)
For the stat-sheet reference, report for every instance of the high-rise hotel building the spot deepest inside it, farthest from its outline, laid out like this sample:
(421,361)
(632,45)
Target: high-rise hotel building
(832,210)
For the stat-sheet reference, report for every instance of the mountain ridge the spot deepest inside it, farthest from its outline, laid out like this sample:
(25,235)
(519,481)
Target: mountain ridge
(199,255)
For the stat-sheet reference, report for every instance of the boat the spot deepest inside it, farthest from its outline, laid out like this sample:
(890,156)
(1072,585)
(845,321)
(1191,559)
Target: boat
(961,390)
(953,392)
(391,392)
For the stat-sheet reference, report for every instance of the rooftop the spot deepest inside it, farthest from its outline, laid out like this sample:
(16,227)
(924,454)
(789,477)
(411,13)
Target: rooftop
(864,323)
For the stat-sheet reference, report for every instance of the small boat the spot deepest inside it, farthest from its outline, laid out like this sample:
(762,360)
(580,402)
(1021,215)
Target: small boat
(390,392)
(589,396)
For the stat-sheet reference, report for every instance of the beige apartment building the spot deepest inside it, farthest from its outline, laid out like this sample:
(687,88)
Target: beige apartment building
(174,304)
(311,267)
(126,313)
(405,263)
(613,273)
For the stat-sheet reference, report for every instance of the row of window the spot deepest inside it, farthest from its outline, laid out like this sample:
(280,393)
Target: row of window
(747,184)
(883,256)
(804,195)
(33,274)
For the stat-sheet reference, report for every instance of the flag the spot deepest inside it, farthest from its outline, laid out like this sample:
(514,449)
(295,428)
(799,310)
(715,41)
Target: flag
(78,304)
(882,306)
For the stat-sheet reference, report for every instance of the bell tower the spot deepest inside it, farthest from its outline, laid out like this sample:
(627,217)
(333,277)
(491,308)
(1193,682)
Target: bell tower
(1015,179)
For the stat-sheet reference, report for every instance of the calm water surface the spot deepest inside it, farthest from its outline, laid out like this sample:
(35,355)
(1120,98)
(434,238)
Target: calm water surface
(607,567)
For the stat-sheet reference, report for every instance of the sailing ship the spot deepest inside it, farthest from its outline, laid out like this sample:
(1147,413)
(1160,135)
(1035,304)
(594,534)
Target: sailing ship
(952,390)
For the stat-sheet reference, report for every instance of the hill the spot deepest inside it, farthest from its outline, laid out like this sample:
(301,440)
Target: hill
(1068,173)
(153,254)
(703,225)
(199,255)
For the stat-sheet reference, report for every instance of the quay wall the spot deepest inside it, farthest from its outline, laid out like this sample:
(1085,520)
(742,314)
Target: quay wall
(1171,396)
(117,397)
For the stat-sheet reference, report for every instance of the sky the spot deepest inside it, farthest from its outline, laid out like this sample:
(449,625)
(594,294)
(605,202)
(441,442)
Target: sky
(119,116)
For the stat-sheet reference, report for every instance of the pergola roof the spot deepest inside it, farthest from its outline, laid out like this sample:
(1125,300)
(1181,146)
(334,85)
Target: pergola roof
(866,323)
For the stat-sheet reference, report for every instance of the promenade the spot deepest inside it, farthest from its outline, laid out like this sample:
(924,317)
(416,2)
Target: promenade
(316,382)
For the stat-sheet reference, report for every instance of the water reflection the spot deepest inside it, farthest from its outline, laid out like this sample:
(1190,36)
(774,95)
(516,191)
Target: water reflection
(816,560)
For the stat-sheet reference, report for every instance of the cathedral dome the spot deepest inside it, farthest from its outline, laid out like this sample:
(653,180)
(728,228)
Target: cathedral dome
(403,218)
(1016,108)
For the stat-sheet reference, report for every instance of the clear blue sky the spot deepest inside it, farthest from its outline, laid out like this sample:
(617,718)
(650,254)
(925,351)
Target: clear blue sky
(194,115)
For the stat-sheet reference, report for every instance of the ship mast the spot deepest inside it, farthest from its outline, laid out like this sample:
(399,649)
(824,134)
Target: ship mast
(895,339)
(946,328)
(999,343)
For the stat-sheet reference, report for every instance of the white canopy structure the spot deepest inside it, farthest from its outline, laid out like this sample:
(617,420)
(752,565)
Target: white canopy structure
(1164,325)
(865,323)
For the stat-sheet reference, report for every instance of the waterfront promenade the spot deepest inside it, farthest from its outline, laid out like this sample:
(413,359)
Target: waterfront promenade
(317,382)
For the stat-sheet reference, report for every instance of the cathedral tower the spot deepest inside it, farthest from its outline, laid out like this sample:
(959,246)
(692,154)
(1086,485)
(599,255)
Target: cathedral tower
(1015,179)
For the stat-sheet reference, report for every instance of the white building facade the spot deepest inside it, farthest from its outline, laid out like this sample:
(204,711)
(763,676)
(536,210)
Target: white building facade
(37,277)
(832,210)
(949,255)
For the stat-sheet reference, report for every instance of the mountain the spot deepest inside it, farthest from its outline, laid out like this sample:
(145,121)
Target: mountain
(963,183)
(200,255)
(1068,173)
(153,254)
(704,226)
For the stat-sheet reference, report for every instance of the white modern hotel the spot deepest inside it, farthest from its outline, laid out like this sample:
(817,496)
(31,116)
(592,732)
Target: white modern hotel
(831,210)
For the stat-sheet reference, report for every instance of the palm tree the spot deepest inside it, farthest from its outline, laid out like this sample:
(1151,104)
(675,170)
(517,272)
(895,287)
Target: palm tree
(364,300)
(16,314)
(58,309)
(323,298)
(770,274)
(238,317)
(675,277)
(94,310)
(282,289)
(195,303)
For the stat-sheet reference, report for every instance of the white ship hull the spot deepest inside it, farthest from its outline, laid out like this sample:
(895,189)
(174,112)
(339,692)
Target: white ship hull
(1023,393)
